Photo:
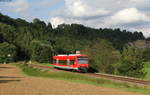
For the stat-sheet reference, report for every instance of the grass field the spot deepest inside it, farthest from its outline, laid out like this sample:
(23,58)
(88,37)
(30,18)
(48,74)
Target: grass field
(74,77)
(43,64)
(147,69)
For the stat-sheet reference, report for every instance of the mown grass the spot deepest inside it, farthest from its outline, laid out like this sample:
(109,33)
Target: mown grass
(43,64)
(75,77)
(147,70)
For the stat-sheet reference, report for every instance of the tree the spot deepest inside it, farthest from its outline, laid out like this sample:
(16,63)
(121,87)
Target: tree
(146,55)
(1,38)
(7,32)
(20,22)
(41,52)
(23,39)
(7,52)
(131,63)
(7,20)
(49,27)
(102,55)
(37,23)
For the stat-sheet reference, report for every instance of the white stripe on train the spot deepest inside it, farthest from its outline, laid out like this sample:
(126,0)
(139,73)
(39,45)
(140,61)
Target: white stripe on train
(64,67)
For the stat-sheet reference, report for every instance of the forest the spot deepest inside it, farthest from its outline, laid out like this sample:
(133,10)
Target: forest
(38,41)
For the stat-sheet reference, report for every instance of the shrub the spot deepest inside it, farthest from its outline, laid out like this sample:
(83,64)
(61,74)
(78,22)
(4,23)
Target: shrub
(40,52)
(131,63)
(7,52)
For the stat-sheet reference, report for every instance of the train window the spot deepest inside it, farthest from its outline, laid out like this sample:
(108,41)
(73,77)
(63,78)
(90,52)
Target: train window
(82,60)
(63,62)
(71,62)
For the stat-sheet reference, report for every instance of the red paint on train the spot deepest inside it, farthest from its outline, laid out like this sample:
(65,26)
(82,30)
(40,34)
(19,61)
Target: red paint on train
(78,62)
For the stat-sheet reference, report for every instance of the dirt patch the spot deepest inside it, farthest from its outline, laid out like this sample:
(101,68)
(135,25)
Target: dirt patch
(13,82)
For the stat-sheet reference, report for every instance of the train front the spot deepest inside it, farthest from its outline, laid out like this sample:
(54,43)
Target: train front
(82,63)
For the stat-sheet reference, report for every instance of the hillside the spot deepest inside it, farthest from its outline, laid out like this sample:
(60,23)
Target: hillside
(19,29)
(37,41)
(142,44)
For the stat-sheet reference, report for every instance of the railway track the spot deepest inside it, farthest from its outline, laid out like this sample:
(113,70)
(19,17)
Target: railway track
(99,75)
(121,78)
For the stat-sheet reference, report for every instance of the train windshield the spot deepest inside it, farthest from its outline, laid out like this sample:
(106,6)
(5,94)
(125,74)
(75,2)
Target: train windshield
(82,60)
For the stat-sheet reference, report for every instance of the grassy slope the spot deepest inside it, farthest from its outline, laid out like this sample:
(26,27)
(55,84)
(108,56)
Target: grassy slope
(69,76)
(43,64)
(147,69)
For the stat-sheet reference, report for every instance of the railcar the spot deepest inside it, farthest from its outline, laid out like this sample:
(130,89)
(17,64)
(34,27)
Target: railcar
(74,62)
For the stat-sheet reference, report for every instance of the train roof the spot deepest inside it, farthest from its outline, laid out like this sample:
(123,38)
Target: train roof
(70,56)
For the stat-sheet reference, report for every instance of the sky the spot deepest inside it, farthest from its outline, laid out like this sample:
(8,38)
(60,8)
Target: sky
(132,15)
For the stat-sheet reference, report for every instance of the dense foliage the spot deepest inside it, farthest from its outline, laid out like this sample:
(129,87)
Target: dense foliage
(40,52)
(7,52)
(38,41)
(103,56)
(146,55)
(131,63)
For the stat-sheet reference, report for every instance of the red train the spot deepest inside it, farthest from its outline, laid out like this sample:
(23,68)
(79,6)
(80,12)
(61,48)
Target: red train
(75,62)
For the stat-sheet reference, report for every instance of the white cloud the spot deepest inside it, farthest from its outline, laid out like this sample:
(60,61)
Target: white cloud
(56,21)
(78,11)
(19,6)
(124,14)
(45,3)
(139,1)
(79,8)
(129,15)
(60,20)
(144,30)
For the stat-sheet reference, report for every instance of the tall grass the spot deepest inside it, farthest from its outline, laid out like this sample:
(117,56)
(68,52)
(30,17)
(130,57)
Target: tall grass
(75,77)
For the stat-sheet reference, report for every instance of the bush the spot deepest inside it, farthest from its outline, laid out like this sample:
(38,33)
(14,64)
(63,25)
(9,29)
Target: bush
(102,56)
(131,63)
(146,55)
(40,52)
(7,52)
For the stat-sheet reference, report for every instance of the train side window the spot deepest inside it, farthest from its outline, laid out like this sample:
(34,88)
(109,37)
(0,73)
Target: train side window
(63,62)
(71,62)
